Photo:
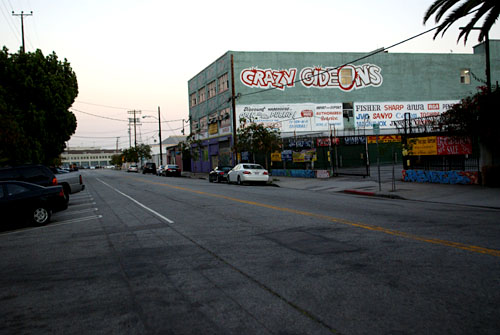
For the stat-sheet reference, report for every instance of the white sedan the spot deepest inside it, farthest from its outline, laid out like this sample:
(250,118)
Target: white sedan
(248,173)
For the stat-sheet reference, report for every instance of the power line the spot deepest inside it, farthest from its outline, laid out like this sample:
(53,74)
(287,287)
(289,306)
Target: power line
(7,19)
(113,107)
(120,120)
(350,62)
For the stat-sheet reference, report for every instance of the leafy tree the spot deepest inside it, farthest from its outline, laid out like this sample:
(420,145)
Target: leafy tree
(256,138)
(116,159)
(35,94)
(462,8)
(136,154)
(191,148)
(476,116)
(187,147)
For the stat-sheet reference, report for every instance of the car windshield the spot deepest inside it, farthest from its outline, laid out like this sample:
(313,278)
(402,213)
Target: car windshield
(253,167)
(224,168)
(173,167)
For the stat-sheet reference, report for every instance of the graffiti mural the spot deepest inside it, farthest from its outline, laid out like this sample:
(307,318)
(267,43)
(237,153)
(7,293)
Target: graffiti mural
(441,177)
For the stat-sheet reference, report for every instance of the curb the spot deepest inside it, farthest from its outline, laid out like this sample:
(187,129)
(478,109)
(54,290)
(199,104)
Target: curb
(371,194)
(374,194)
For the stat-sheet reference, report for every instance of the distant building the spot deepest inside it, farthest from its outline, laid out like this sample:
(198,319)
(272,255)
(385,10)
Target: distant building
(166,146)
(87,157)
(310,95)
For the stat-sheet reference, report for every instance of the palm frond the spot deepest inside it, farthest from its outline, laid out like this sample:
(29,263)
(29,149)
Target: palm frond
(439,8)
(489,21)
(433,8)
(468,28)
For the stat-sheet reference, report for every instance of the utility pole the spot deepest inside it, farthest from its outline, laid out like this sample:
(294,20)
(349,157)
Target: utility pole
(136,122)
(159,134)
(22,15)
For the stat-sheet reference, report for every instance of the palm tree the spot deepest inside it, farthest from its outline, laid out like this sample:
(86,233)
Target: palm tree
(490,8)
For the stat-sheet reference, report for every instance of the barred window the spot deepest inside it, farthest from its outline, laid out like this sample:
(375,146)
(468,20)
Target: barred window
(192,99)
(201,94)
(211,90)
(223,83)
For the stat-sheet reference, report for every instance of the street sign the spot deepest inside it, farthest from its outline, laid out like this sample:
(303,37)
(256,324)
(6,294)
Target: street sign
(376,128)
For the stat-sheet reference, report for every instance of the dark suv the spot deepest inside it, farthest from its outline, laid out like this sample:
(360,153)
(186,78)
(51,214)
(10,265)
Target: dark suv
(149,168)
(35,174)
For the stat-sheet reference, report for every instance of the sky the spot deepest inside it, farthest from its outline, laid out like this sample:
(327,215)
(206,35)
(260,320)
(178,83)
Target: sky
(140,55)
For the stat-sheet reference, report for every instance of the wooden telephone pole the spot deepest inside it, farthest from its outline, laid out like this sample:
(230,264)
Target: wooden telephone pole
(22,15)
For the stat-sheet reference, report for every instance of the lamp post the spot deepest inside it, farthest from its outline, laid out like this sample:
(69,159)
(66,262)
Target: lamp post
(159,132)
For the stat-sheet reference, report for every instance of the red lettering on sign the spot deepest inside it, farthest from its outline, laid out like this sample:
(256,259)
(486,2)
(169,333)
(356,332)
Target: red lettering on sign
(393,107)
(307,113)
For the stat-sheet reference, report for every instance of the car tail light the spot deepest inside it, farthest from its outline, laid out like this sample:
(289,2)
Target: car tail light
(221,173)
(265,173)
(81,180)
(61,194)
(247,172)
(54,181)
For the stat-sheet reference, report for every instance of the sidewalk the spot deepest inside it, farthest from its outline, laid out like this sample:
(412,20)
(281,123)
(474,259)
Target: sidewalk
(471,195)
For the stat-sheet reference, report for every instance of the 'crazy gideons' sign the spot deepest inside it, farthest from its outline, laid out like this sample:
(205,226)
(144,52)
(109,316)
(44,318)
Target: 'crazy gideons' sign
(345,78)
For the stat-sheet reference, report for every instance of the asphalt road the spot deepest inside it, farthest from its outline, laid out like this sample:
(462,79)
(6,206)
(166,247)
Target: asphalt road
(141,254)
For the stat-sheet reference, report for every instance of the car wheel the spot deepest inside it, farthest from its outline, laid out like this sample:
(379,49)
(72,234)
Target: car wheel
(238,181)
(210,179)
(41,215)
(66,193)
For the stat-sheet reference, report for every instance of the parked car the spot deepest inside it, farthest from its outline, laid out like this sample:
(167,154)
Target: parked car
(36,174)
(159,170)
(219,174)
(29,202)
(72,182)
(149,168)
(172,170)
(248,173)
(133,168)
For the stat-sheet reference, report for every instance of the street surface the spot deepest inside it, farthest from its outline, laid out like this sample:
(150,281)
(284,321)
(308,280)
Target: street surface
(141,254)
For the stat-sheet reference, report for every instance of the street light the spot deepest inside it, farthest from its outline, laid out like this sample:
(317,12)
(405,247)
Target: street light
(159,132)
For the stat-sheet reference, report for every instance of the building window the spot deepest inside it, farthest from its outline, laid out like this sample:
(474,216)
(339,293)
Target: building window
(465,76)
(223,83)
(201,94)
(211,89)
(192,99)
(348,110)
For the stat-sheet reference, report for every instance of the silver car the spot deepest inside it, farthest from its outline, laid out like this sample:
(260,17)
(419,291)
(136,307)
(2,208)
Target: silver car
(133,168)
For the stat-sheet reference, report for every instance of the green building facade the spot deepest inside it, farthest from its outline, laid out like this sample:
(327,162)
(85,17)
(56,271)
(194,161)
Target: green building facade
(313,97)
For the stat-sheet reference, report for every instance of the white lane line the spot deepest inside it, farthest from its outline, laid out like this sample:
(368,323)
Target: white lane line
(87,218)
(66,212)
(81,197)
(79,205)
(138,203)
